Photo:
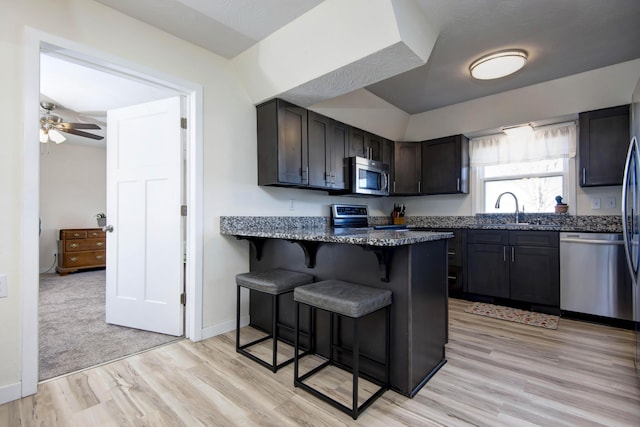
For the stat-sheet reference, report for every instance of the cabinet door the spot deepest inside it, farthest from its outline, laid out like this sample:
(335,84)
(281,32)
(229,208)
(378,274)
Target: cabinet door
(293,160)
(408,168)
(319,129)
(373,145)
(338,150)
(445,165)
(282,144)
(487,270)
(357,142)
(535,275)
(604,139)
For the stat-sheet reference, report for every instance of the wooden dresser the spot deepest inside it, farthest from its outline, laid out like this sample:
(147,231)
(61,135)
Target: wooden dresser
(81,248)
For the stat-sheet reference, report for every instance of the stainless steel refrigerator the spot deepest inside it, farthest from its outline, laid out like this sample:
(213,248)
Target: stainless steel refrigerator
(631,219)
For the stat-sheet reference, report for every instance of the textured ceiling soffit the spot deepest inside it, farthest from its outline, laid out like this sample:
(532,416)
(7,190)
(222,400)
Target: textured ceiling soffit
(381,65)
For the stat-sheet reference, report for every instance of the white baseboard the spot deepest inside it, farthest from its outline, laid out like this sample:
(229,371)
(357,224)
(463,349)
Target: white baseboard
(10,393)
(223,328)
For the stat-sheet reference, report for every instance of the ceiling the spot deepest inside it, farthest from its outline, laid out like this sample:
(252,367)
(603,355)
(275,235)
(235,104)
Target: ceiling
(562,38)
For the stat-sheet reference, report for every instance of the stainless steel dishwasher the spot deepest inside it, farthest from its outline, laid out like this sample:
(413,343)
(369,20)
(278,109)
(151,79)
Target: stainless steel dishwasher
(594,278)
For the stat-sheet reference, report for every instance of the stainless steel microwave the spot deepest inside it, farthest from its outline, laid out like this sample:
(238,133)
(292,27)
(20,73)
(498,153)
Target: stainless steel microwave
(368,177)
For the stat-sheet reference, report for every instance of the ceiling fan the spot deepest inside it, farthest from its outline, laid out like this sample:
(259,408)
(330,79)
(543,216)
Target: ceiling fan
(51,126)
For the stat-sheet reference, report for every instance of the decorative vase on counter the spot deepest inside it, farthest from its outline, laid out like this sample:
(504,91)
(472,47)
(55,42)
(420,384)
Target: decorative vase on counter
(560,206)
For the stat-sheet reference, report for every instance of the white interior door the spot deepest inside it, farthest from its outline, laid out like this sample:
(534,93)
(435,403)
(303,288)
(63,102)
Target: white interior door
(144,194)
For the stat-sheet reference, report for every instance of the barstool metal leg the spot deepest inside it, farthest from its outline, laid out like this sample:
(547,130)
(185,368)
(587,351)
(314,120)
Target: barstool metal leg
(238,318)
(296,345)
(356,366)
(274,330)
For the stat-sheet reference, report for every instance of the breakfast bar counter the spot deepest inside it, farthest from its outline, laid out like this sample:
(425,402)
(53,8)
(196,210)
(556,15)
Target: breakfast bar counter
(412,264)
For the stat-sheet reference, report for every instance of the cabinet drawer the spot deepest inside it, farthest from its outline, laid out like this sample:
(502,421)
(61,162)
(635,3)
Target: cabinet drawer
(96,233)
(547,239)
(83,259)
(74,245)
(73,234)
(490,237)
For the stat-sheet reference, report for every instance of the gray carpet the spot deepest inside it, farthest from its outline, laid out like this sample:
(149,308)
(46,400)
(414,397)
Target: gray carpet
(73,332)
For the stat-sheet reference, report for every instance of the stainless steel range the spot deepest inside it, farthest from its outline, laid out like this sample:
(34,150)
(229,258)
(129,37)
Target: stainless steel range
(349,216)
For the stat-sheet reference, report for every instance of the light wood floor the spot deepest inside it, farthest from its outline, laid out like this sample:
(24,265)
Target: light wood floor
(498,373)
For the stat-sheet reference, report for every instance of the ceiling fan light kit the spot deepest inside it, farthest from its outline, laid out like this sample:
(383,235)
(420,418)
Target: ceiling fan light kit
(52,126)
(498,64)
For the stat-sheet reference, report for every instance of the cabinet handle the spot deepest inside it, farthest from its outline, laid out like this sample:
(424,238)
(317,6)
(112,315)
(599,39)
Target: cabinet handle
(74,245)
(451,253)
(99,256)
(584,176)
(451,277)
(513,254)
(76,234)
(99,243)
(305,175)
(458,184)
(418,186)
(73,259)
(394,186)
(504,253)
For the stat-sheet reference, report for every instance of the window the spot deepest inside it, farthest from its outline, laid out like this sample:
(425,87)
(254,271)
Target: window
(535,167)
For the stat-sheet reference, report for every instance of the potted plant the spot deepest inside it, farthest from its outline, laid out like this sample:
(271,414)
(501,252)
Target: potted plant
(560,206)
(102,219)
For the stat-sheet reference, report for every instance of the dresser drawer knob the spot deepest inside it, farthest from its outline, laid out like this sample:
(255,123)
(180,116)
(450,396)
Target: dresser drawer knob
(74,245)
(99,243)
(73,259)
(99,256)
(76,234)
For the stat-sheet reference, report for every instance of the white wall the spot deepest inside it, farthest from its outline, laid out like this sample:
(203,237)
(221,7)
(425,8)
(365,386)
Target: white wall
(73,189)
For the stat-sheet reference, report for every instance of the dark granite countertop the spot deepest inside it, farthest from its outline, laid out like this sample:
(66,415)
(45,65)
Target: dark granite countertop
(368,237)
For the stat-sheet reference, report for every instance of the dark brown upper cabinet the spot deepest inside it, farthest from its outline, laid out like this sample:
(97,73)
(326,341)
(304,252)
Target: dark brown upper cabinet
(408,170)
(365,144)
(328,145)
(603,141)
(283,157)
(445,165)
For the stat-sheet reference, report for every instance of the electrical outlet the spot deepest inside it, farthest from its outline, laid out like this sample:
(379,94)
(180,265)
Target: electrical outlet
(292,204)
(3,286)
(610,202)
(595,203)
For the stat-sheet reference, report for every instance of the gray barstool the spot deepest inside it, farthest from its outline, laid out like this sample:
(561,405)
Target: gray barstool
(274,282)
(340,298)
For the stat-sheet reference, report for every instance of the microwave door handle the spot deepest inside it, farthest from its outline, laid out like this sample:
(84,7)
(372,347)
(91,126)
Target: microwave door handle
(385,181)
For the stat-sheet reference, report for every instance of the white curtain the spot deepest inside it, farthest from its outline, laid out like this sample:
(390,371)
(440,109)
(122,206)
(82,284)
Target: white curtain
(542,144)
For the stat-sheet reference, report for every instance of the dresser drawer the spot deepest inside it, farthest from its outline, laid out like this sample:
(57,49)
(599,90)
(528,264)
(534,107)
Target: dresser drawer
(95,233)
(84,259)
(73,234)
(74,245)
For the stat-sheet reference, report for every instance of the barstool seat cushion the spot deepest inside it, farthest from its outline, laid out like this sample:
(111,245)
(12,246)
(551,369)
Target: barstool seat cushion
(345,298)
(275,282)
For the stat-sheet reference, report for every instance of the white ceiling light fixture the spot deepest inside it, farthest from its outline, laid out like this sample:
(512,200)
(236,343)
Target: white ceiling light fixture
(498,64)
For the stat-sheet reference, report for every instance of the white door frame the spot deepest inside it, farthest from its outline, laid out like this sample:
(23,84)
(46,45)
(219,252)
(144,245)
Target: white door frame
(34,41)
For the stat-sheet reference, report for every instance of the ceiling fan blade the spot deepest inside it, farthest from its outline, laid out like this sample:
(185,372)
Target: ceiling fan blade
(80,133)
(77,126)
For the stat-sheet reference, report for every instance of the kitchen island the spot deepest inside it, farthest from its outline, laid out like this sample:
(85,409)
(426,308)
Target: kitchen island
(412,264)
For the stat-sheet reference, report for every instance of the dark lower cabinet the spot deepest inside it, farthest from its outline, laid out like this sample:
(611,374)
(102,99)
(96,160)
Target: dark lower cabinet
(535,275)
(523,266)
(487,270)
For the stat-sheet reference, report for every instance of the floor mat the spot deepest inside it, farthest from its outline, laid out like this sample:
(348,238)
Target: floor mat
(542,320)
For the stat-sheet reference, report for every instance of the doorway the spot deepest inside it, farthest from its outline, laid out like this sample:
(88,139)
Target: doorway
(35,41)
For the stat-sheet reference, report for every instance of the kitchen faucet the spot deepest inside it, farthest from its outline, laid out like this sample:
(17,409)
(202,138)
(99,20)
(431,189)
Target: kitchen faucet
(515,198)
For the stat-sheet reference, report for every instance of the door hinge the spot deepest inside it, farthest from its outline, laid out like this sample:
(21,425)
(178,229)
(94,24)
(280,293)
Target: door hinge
(183,122)
(183,210)
(183,298)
